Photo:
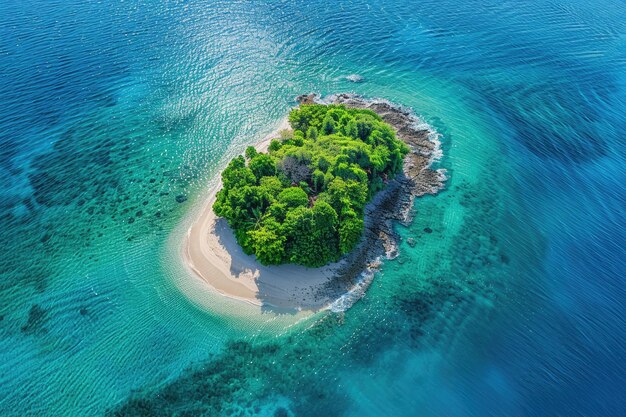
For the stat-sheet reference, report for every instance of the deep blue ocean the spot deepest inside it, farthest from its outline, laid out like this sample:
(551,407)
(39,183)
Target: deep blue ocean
(116,116)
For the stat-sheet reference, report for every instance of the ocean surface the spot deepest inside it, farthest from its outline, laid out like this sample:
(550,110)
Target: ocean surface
(115,118)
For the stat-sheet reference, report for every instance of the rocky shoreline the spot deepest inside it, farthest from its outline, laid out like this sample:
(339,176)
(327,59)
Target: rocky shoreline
(394,203)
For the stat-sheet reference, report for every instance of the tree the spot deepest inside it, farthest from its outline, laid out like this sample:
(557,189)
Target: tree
(237,174)
(307,115)
(245,206)
(350,172)
(350,231)
(351,129)
(300,118)
(380,158)
(337,195)
(357,194)
(318,180)
(268,243)
(251,152)
(277,211)
(274,145)
(328,125)
(325,219)
(295,169)
(323,163)
(271,185)
(364,128)
(298,138)
(293,197)
(244,240)
(262,165)
(311,133)
(311,235)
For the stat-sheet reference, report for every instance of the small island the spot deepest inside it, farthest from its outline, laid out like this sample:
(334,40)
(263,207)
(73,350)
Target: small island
(303,201)
(302,218)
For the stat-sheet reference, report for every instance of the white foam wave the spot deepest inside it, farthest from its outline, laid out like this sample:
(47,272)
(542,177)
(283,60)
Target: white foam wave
(357,292)
(435,138)
(355,78)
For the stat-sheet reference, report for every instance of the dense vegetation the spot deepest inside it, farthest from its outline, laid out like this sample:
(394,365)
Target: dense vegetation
(302,202)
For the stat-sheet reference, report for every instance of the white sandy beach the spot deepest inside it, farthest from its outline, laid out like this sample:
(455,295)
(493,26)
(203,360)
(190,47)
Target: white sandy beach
(212,253)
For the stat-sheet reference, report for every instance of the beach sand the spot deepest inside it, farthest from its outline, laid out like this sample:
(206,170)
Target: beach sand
(213,254)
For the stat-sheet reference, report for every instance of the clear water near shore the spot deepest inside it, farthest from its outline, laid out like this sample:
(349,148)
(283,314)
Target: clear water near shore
(113,119)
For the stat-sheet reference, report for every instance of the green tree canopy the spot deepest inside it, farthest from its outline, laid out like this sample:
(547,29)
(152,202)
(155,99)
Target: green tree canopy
(303,201)
(293,197)
(262,165)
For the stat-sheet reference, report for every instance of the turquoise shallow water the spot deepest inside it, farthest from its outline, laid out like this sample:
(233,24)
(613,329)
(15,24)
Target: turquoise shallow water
(114,118)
